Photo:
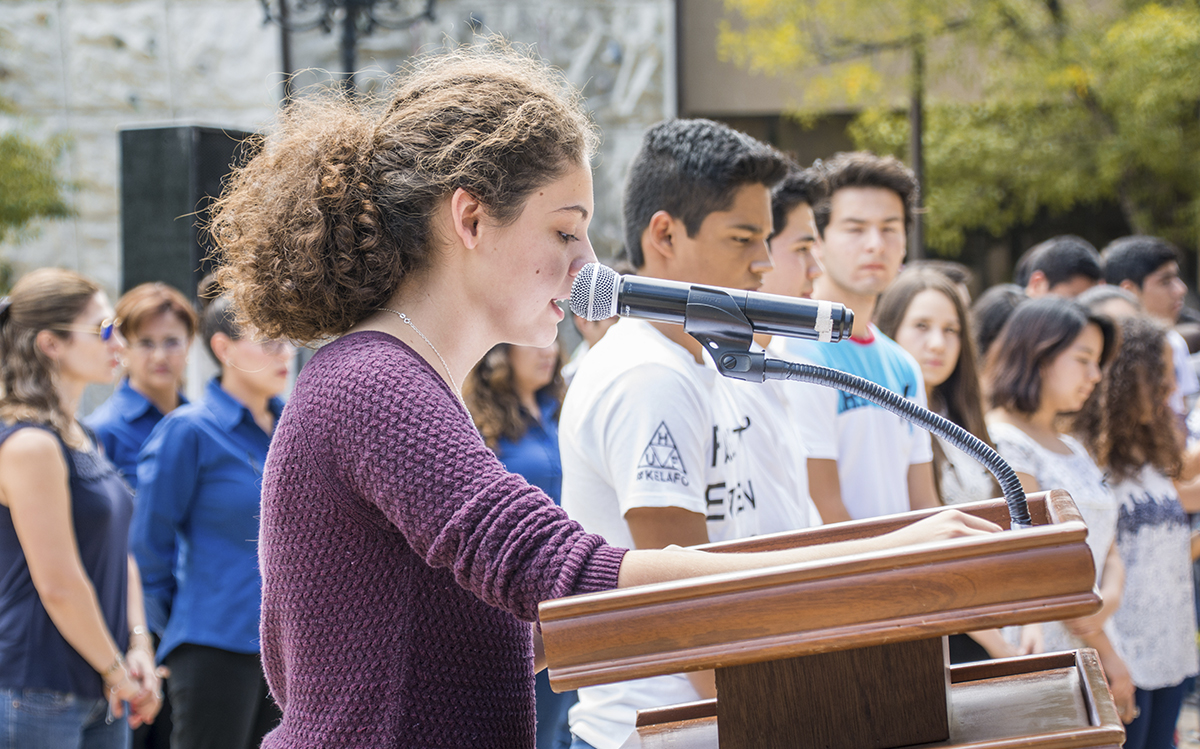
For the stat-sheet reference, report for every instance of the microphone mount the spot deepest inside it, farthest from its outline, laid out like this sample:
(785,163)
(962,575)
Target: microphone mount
(715,320)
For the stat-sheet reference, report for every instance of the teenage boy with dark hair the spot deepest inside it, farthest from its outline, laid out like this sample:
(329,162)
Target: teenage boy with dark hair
(1063,266)
(651,443)
(1148,268)
(862,460)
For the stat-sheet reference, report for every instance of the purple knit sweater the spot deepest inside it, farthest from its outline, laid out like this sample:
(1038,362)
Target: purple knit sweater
(401,562)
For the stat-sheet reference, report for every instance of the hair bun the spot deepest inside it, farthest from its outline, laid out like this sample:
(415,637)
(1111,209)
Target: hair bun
(208,290)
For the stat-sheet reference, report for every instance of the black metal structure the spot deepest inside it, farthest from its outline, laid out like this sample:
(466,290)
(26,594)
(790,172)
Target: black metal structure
(357,18)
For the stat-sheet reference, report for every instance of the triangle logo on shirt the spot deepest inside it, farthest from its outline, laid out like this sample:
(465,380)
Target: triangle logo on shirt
(661,452)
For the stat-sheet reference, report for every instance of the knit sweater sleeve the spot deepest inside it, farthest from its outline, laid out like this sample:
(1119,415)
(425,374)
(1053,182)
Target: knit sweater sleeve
(408,448)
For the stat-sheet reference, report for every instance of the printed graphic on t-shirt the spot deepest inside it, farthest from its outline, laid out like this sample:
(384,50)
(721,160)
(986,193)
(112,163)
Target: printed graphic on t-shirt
(724,499)
(661,460)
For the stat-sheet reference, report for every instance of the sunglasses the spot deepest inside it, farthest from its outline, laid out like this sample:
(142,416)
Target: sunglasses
(105,330)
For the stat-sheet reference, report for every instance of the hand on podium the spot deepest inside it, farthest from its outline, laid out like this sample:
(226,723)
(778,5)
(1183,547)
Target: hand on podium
(941,526)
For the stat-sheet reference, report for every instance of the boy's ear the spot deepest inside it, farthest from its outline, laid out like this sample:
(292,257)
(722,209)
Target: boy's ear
(659,236)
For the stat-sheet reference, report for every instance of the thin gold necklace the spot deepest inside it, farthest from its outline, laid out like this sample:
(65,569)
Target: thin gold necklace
(404,318)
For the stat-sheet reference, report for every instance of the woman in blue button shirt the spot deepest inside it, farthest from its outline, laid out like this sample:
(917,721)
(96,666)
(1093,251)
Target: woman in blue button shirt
(158,324)
(514,395)
(195,535)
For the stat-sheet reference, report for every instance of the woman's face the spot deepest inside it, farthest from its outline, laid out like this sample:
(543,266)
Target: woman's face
(932,332)
(537,257)
(532,367)
(1070,377)
(261,366)
(85,356)
(156,354)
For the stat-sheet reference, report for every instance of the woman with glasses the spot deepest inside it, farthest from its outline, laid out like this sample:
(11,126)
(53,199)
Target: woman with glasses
(74,651)
(158,324)
(195,534)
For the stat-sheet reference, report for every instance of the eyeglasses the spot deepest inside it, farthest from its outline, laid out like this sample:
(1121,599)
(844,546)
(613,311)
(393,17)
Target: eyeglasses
(271,346)
(170,346)
(106,329)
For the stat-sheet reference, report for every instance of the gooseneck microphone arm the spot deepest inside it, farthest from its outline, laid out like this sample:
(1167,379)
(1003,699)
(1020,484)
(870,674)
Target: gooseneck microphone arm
(1014,494)
(714,318)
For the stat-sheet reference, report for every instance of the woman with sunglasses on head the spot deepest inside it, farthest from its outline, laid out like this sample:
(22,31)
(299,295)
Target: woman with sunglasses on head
(75,653)
(402,564)
(158,324)
(195,534)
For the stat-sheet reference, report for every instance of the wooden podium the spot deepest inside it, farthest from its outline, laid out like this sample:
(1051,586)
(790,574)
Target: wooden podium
(850,653)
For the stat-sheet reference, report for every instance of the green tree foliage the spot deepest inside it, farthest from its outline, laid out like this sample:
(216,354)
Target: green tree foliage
(1073,102)
(29,185)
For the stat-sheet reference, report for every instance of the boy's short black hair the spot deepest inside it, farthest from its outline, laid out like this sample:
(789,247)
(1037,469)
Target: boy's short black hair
(799,186)
(691,168)
(1060,259)
(1135,257)
(865,169)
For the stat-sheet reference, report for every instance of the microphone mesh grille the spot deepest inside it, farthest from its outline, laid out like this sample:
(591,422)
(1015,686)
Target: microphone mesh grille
(594,292)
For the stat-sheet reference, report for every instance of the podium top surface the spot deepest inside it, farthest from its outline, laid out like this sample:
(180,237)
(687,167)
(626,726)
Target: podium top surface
(925,590)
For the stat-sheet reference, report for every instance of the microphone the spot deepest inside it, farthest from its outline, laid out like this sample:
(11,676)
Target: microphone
(599,293)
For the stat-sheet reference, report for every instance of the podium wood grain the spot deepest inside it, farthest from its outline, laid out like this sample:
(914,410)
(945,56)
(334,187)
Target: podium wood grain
(868,698)
(912,593)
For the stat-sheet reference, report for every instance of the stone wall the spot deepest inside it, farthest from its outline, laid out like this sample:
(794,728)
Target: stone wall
(84,69)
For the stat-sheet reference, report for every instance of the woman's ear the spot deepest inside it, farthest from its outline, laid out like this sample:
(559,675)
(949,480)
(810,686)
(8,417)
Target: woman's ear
(466,212)
(49,344)
(220,346)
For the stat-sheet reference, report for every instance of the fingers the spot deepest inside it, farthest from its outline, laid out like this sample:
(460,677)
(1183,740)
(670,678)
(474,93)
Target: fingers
(971,521)
(162,672)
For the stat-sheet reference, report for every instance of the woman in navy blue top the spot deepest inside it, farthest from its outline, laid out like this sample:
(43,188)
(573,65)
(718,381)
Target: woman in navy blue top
(514,395)
(195,535)
(74,649)
(158,324)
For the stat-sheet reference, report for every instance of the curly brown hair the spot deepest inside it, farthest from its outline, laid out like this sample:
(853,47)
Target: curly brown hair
(1128,423)
(491,396)
(319,229)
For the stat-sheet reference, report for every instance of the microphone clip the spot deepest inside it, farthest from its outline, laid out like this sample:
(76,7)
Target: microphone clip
(718,323)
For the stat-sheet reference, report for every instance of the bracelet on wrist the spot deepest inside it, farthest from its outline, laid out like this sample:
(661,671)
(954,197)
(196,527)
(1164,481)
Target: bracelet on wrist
(145,643)
(117,666)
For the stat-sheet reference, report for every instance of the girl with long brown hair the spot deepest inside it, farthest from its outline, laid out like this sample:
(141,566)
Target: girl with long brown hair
(74,648)
(924,311)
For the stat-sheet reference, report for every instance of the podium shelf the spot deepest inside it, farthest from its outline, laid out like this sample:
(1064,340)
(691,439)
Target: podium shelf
(1051,701)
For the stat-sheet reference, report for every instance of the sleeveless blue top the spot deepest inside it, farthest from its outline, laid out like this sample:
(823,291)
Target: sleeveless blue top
(33,655)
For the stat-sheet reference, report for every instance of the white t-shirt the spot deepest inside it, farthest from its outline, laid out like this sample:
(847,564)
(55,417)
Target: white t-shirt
(873,447)
(638,430)
(1187,384)
(1157,617)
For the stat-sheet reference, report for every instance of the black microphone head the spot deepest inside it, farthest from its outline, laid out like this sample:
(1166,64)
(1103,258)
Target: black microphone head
(594,293)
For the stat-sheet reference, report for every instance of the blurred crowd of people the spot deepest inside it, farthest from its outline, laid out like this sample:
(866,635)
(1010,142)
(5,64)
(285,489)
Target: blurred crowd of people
(130,589)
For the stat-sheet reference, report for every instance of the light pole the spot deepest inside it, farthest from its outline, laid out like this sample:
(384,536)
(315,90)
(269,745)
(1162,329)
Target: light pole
(358,18)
